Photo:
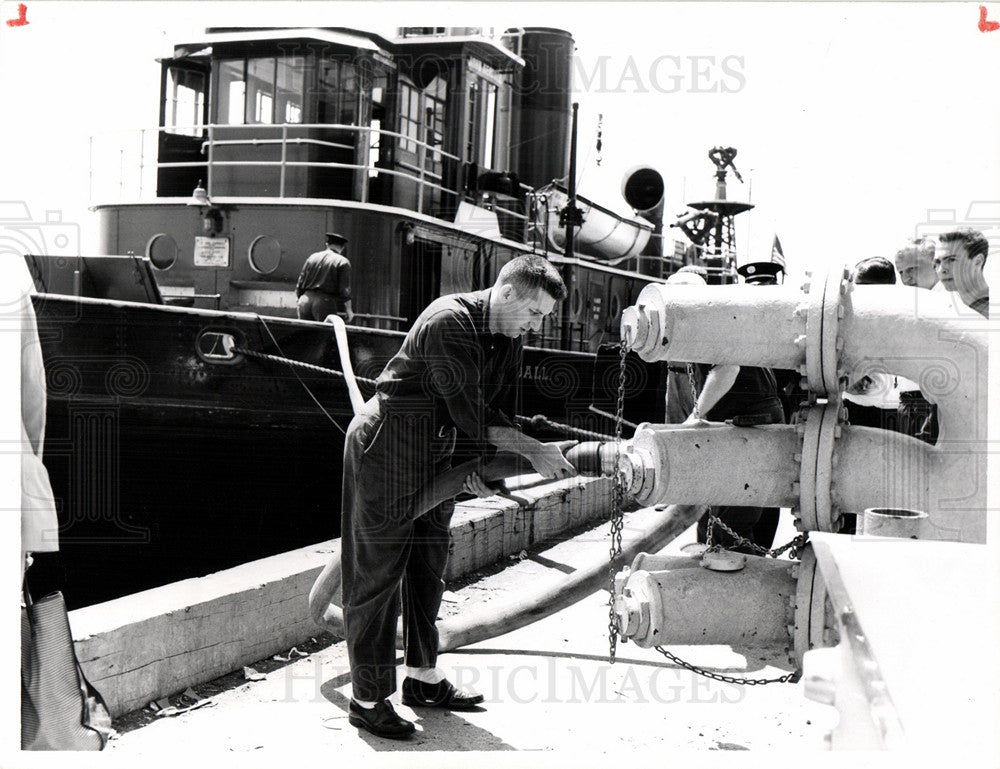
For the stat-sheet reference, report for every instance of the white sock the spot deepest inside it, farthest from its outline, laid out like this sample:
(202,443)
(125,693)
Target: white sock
(364,704)
(427,675)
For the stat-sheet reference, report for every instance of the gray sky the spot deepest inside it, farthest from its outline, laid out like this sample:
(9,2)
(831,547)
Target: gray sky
(851,120)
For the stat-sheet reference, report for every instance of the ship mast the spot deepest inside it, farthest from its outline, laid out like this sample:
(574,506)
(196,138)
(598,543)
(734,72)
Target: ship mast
(570,217)
(720,245)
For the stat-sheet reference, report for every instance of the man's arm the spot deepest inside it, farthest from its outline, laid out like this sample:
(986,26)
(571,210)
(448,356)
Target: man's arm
(454,363)
(546,458)
(718,382)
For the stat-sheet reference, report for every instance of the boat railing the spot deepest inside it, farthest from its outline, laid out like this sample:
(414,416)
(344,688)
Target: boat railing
(126,168)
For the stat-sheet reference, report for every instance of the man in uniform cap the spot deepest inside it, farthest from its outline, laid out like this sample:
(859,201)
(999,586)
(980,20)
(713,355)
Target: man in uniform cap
(324,285)
(761,273)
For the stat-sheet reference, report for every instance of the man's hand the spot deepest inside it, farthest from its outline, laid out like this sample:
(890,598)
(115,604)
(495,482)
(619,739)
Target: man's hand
(549,462)
(475,485)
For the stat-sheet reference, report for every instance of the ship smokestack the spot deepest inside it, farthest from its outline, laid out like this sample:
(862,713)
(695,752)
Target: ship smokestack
(541,104)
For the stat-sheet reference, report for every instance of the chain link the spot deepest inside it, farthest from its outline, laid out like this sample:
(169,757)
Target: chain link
(798,542)
(792,677)
(617,501)
(694,390)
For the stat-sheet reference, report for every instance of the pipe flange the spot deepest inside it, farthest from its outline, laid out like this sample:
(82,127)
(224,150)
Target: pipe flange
(816,511)
(815,622)
(822,323)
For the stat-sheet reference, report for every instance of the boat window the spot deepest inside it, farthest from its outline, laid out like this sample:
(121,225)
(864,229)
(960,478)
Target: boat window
(490,95)
(481,121)
(264,254)
(435,95)
(423,111)
(616,306)
(348,93)
(232,92)
(338,97)
(260,90)
(161,250)
(472,127)
(409,117)
(289,88)
(185,102)
(378,112)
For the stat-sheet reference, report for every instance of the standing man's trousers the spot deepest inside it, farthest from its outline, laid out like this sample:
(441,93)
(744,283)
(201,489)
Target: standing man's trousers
(387,557)
(316,305)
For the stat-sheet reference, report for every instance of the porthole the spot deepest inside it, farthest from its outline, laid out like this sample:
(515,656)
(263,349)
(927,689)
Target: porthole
(264,254)
(616,307)
(576,303)
(161,250)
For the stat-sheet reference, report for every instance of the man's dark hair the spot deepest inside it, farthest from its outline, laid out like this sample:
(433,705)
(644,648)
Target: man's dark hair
(530,272)
(874,269)
(973,240)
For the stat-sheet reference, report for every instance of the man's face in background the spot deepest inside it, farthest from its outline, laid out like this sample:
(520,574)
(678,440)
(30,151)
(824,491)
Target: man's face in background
(916,268)
(956,270)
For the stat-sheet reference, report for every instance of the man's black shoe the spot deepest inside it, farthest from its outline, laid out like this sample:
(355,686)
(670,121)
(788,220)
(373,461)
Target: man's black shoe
(380,720)
(440,695)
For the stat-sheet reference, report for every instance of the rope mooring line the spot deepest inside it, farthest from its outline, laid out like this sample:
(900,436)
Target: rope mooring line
(298,364)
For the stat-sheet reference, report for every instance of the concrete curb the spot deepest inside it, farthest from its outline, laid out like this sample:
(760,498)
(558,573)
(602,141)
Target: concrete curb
(145,646)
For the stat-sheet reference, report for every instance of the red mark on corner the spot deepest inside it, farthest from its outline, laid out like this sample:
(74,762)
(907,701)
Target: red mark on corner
(22,17)
(984,25)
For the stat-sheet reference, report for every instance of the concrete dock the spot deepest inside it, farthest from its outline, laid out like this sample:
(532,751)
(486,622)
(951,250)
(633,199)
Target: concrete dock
(550,693)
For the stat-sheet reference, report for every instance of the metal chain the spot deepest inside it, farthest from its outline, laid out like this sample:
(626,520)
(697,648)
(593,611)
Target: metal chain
(792,677)
(798,542)
(617,501)
(694,390)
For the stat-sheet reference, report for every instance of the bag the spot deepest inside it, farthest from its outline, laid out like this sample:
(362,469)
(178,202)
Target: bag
(60,710)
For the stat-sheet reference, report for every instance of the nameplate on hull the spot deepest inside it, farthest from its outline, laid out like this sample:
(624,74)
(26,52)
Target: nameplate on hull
(211,252)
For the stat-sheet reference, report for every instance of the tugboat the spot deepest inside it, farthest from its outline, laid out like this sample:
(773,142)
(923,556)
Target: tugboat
(194,422)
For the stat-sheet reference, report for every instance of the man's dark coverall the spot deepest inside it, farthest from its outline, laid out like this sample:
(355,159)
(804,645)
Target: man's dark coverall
(324,285)
(450,377)
(754,393)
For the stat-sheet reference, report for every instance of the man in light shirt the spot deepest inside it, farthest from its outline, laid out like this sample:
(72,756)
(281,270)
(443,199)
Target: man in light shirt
(959,260)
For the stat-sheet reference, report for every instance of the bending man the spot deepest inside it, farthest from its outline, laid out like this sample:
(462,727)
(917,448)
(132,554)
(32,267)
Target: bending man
(452,381)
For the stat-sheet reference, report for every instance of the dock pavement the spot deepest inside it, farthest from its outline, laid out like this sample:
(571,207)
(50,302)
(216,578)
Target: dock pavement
(550,694)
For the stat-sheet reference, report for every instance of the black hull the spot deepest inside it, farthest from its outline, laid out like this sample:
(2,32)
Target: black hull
(166,464)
